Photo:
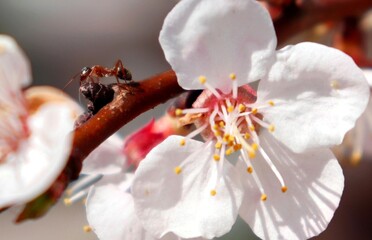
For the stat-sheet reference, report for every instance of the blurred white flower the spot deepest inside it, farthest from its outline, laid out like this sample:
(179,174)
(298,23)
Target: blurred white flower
(34,138)
(109,204)
(357,141)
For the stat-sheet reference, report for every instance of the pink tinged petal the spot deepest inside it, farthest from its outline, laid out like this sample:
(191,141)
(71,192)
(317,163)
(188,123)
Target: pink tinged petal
(315,184)
(207,38)
(108,158)
(318,93)
(169,200)
(15,71)
(39,159)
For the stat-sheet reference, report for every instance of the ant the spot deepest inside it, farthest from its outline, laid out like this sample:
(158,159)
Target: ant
(98,94)
(97,71)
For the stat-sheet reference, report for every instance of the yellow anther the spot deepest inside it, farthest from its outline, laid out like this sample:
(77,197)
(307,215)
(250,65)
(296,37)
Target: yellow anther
(216,157)
(271,128)
(230,109)
(355,158)
(218,145)
(263,197)
(67,201)
(221,123)
(202,79)
(179,112)
(255,146)
(254,111)
(213,193)
(182,142)
(229,151)
(250,169)
(232,76)
(226,137)
(178,170)
(237,147)
(251,154)
(217,133)
(87,228)
(284,189)
(247,136)
(230,143)
(271,103)
(215,127)
(241,107)
(334,84)
(231,138)
(252,128)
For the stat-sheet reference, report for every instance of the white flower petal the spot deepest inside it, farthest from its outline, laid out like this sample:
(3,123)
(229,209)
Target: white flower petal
(368,74)
(207,38)
(319,93)
(15,71)
(110,211)
(39,159)
(108,158)
(315,183)
(182,203)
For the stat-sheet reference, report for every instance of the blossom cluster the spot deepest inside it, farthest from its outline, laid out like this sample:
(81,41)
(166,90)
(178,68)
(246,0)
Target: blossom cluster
(265,152)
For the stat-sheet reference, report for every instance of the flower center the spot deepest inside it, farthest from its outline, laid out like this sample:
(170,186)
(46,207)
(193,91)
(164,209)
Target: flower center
(233,121)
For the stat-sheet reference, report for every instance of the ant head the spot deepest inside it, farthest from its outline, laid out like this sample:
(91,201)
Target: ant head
(85,71)
(123,73)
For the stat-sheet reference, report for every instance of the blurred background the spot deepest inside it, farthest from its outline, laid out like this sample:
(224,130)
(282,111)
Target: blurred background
(60,37)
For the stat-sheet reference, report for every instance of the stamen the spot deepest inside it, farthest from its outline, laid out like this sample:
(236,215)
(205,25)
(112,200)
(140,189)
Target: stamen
(271,103)
(203,81)
(241,108)
(247,136)
(357,147)
(87,228)
(334,84)
(229,151)
(178,170)
(85,182)
(178,112)
(254,146)
(263,197)
(218,145)
(284,189)
(193,134)
(254,110)
(192,110)
(272,166)
(213,193)
(266,125)
(232,76)
(271,128)
(75,198)
(250,169)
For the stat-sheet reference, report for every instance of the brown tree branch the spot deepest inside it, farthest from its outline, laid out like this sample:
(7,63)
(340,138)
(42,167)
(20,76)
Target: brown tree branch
(132,100)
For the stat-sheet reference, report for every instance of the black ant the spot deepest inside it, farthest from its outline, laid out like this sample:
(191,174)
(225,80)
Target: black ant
(98,94)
